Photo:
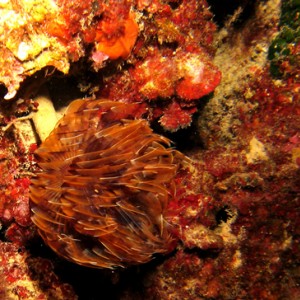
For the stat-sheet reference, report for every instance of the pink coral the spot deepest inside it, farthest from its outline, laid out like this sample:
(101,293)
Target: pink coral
(190,76)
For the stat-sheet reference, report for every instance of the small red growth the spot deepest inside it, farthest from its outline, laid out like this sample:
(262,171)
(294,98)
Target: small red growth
(175,117)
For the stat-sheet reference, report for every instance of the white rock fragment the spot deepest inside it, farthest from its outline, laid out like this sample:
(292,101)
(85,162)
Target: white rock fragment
(45,118)
(10,95)
(23,51)
(257,152)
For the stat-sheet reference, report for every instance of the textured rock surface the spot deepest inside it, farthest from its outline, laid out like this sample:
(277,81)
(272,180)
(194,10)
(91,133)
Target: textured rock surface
(236,216)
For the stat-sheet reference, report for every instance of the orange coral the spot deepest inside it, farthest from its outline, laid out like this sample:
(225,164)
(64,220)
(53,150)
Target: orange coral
(106,181)
(119,44)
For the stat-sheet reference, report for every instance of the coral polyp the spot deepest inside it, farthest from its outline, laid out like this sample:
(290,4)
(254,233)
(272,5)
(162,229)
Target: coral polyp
(105,182)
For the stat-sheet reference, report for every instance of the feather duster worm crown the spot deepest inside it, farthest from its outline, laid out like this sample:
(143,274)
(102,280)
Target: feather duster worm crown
(105,182)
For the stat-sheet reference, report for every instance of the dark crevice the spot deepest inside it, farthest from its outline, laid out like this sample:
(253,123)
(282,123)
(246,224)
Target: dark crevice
(92,284)
(224,214)
(223,10)
(203,254)
(175,4)
(105,283)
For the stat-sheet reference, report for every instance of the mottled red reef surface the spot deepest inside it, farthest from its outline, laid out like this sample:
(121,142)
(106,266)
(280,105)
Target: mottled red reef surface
(236,216)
